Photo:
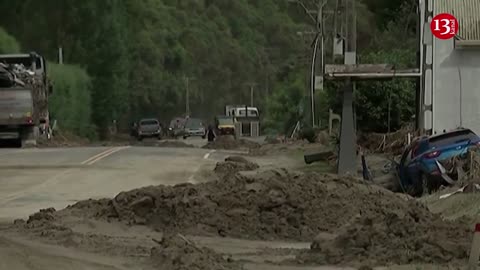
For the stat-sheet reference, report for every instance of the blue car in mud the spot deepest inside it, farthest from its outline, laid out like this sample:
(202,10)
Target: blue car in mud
(421,166)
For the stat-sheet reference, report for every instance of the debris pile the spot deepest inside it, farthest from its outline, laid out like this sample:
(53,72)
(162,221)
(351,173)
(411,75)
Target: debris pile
(176,252)
(393,236)
(274,204)
(393,143)
(234,164)
(367,223)
(464,170)
(18,74)
(230,143)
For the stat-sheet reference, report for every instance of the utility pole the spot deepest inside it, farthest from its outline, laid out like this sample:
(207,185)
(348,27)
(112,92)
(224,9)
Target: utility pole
(187,94)
(60,55)
(318,43)
(348,141)
(252,88)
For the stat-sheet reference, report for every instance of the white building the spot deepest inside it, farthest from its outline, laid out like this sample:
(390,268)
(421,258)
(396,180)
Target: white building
(451,68)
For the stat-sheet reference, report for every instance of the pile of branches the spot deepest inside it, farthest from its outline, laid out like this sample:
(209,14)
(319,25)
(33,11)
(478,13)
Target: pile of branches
(393,143)
(464,169)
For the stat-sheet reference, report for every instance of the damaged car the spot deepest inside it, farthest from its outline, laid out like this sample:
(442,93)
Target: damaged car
(426,164)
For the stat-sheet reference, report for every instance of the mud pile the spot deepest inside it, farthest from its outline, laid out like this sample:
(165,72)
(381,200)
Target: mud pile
(269,205)
(234,164)
(390,236)
(368,223)
(176,252)
(230,143)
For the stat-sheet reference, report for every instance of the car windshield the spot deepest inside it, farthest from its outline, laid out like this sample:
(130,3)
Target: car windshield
(225,121)
(193,123)
(148,122)
(452,138)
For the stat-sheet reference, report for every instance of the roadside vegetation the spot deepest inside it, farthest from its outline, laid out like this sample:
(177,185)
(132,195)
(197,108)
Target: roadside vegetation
(127,59)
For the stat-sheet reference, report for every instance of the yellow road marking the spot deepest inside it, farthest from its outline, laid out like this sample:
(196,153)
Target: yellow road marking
(103,155)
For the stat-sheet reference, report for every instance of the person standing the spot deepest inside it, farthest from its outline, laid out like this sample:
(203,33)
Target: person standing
(210,134)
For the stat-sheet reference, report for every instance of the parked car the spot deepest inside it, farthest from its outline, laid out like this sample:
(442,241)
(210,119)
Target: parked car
(149,128)
(194,127)
(420,168)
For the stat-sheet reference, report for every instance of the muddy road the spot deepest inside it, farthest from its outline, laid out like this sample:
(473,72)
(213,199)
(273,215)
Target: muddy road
(175,208)
(32,179)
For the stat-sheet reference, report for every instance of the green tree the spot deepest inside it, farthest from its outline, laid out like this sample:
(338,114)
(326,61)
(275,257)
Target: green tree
(8,44)
(70,103)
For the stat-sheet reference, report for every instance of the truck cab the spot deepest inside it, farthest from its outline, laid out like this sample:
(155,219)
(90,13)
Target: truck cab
(246,117)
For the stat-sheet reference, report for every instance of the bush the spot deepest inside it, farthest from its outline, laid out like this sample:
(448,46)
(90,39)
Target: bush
(70,103)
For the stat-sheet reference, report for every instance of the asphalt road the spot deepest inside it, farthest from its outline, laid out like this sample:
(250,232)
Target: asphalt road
(31,179)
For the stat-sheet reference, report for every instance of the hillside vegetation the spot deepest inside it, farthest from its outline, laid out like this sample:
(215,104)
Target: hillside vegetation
(127,59)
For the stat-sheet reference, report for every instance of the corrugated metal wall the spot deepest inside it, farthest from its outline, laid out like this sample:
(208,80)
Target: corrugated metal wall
(467,13)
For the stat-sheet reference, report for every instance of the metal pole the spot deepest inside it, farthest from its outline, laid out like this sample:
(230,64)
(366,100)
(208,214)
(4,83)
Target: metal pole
(187,98)
(389,108)
(312,80)
(60,55)
(251,95)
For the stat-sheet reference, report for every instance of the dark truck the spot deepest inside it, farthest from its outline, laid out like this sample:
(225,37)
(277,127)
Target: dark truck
(24,91)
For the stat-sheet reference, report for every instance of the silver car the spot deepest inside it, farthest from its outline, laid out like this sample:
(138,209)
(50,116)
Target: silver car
(148,128)
(194,128)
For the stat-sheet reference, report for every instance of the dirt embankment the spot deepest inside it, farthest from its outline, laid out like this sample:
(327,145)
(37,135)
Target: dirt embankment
(176,252)
(368,223)
(234,164)
(229,143)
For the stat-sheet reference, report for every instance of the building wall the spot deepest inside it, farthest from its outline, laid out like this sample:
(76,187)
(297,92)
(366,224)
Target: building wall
(452,84)
(456,94)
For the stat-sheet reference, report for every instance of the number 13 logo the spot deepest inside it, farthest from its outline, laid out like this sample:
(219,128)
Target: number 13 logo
(444,26)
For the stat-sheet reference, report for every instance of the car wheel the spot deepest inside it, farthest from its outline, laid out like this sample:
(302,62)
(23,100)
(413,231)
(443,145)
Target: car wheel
(184,137)
(203,137)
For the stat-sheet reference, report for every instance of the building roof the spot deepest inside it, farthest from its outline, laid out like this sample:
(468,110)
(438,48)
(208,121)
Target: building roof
(467,13)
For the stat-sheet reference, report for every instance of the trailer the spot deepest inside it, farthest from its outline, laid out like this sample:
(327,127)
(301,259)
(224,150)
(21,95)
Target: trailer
(24,91)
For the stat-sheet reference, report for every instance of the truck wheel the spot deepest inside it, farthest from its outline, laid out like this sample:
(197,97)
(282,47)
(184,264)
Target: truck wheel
(184,137)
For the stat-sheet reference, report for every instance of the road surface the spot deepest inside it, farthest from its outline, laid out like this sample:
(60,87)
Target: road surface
(32,179)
